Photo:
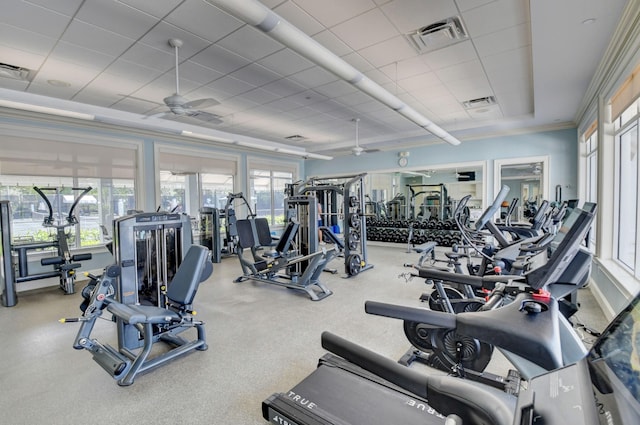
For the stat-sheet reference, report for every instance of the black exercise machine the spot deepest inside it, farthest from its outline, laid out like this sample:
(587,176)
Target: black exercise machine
(356,386)
(64,263)
(453,349)
(154,324)
(285,266)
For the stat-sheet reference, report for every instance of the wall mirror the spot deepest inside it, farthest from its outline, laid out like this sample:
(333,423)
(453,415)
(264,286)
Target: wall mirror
(424,193)
(527,179)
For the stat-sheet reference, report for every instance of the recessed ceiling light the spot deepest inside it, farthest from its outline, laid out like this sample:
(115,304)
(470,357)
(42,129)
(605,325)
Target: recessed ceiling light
(589,21)
(58,83)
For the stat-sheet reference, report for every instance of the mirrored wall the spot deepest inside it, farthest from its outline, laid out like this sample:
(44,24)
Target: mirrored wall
(422,194)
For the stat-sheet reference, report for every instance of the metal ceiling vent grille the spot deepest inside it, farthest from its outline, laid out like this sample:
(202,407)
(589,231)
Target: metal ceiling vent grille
(438,35)
(16,72)
(479,102)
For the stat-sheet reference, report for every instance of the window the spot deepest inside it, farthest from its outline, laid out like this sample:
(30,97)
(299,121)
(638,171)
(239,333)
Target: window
(591,175)
(52,158)
(626,199)
(107,200)
(267,193)
(190,179)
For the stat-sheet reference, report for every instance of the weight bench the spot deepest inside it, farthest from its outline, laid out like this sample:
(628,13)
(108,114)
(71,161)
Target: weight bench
(301,271)
(154,323)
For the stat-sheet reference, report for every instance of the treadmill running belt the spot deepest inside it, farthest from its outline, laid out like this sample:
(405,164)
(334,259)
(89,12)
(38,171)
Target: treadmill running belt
(336,393)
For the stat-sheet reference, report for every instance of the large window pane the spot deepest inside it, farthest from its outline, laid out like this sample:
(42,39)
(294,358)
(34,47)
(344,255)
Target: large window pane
(628,193)
(173,192)
(215,188)
(267,191)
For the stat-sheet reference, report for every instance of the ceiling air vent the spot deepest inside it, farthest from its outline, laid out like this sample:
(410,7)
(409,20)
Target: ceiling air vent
(438,35)
(16,72)
(479,102)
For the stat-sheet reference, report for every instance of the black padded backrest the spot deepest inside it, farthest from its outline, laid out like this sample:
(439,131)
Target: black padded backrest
(263,232)
(284,244)
(185,282)
(245,233)
(538,220)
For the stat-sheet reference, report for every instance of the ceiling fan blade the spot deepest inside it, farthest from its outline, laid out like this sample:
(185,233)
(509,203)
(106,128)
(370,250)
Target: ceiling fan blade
(158,115)
(205,116)
(201,103)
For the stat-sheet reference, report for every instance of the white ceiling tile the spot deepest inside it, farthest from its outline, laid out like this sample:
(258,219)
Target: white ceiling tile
(284,104)
(503,64)
(250,43)
(116,17)
(299,18)
(406,68)
(358,62)
(420,81)
(504,40)
(197,73)
(96,38)
(516,103)
(28,41)
(313,77)
(389,51)
(471,4)
(308,98)
(495,16)
(451,55)
(285,62)
(38,19)
(114,84)
(470,88)
(259,96)
(157,8)
(75,75)
(97,96)
(255,74)
(335,89)
(150,57)
(284,87)
(230,86)
(462,71)
(79,55)
(11,84)
(21,58)
(491,112)
(220,59)
(159,36)
(365,30)
(44,89)
(331,42)
(332,12)
(409,15)
(135,72)
(204,20)
(354,98)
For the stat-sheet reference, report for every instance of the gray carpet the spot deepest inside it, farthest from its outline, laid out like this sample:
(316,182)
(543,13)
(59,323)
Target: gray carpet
(262,339)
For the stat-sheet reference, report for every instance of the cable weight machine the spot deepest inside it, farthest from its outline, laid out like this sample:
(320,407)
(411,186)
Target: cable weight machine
(343,202)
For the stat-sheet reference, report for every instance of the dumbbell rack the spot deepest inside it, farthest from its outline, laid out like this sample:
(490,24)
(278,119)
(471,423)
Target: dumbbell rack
(416,232)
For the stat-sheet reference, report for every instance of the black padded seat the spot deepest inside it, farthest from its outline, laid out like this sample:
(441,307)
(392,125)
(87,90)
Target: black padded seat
(134,314)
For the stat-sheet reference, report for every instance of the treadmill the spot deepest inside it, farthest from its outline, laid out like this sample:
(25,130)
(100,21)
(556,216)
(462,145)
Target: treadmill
(357,386)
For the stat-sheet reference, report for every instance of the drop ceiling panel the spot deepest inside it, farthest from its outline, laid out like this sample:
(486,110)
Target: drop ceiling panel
(157,8)
(267,90)
(203,20)
(95,38)
(300,18)
(504,40)
(29,41)
(286,62)
(365,30)
(116,17)
(326,11)
(495,16)
(395,49)
(36,18)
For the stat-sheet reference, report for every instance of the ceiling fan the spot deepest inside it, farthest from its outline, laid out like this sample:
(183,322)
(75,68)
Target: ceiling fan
(179,106)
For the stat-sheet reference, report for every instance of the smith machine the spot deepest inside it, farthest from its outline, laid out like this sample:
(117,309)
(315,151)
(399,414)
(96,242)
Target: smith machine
(342,201)
(64,264)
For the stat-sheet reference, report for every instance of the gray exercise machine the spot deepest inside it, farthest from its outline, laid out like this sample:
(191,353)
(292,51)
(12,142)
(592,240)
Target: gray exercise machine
(154,324)
(291,264)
